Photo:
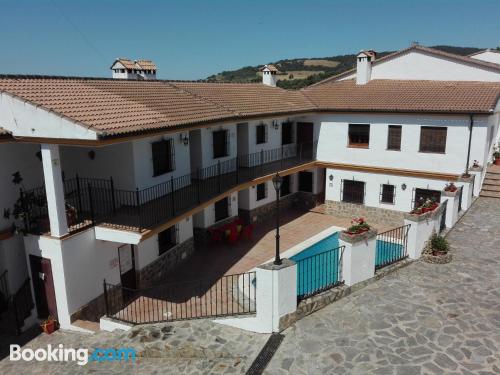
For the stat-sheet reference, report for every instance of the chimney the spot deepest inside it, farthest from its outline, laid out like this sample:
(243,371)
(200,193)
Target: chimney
(136,69)
(364,66)
(269,75)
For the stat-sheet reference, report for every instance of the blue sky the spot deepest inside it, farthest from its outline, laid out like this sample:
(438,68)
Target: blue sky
(192,39)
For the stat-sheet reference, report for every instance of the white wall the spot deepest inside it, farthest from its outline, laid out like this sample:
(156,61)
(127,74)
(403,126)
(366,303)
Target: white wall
(488,56)
(333,142)
(79,263)
(205,146)
(403,198)
(147,251)
(416,65)
(115,161)
(143,160)
(206,217)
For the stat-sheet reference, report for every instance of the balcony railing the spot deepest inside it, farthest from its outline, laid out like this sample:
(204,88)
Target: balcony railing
(96,201)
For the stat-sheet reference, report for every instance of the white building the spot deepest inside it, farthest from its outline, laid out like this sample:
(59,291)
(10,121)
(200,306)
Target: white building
(137,69)
(136,170)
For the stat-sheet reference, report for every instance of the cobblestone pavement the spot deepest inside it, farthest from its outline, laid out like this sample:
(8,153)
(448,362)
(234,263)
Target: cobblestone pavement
(195,347)
(423,319)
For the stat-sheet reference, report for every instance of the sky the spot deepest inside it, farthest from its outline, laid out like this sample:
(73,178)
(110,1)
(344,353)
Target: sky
(191,39)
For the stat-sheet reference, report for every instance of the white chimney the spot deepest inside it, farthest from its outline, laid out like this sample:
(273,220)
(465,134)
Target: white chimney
(269,75)
(364,67)
(136,69)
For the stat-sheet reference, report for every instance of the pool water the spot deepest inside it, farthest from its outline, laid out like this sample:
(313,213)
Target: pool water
(318,265)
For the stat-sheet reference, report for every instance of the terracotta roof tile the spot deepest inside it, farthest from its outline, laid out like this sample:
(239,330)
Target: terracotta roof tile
(406,96)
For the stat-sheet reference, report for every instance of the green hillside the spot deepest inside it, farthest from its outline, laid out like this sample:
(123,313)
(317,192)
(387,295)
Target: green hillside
(301,72)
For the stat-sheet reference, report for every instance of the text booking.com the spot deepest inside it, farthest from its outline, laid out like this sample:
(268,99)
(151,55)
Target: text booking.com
(80,356)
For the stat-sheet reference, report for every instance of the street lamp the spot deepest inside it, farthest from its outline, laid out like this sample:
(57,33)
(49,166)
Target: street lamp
(277,181)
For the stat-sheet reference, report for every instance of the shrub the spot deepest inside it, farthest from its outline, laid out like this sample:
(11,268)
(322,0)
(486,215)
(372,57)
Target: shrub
(439,243)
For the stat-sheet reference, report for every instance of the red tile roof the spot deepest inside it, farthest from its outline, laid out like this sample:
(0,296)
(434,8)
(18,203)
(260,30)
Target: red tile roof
(115,106)
(406,96)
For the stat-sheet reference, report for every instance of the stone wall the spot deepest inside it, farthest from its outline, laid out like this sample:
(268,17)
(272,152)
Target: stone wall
(96,308)
(166,263)
(371,214)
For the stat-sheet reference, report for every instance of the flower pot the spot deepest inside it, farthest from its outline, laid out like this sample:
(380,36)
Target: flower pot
(48,327)
(497,161)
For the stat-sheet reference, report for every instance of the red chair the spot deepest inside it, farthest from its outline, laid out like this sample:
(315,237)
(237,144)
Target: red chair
(247,231)
(215,235)
(233,236)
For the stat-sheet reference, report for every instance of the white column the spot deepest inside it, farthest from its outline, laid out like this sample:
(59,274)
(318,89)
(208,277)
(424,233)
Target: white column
(358,261)
(467,194)
(54,190)
(477,172)
(452,207)
(276,297)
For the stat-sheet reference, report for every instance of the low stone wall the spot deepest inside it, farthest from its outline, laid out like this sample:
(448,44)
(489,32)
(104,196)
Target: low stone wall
(166,263)
(372,214)
(96,308)
(317,302)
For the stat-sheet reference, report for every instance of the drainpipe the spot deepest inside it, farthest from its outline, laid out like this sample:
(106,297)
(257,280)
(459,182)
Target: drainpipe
(471,125)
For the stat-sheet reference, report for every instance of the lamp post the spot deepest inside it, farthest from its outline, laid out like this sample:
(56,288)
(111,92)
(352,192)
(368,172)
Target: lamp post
(277,181)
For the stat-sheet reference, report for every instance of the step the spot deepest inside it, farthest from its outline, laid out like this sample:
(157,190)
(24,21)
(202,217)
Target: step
(490,194)
(492,176)
(487,187)
(88,325)
(488,181)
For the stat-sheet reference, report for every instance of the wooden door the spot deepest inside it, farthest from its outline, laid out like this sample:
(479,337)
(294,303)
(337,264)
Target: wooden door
(127,266)
(43,285)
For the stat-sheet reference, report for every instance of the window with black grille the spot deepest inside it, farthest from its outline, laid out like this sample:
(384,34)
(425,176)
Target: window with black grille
(388,193)
(394,138)
(261,133)
(221,209)
(353,191)
(286,133)
(285,186)
(220,143)
(261,191)
(359,135)
(433,139)
(167,239)
(163,156)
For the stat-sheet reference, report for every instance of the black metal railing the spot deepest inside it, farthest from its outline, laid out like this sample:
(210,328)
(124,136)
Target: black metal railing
(4,291)
(90,201)
(22,302)
(392,246)
(229,295)
(319,272)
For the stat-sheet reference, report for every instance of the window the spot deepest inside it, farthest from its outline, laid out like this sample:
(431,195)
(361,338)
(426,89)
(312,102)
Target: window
(222,209)
(306,181)
(359,135)
(388,193)
(163,157)
(433,139)
(261,191)
(261,132)
(167,239)
(353,191)
(286,133)
(220,140)
(285,186)
(394,138)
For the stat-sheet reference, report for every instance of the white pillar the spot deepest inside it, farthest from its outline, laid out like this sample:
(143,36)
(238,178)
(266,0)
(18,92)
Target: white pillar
(467,193)
(276,297)
(477,172)
(54,190)
(452,207)
(358,260)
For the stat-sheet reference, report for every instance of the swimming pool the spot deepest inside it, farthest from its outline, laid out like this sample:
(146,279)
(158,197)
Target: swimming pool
(319,265)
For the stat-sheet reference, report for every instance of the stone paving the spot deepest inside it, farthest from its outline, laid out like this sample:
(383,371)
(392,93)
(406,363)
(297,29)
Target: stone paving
(194,347)
(423,319)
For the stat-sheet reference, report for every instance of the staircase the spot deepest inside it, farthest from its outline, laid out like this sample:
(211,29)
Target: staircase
(491,184)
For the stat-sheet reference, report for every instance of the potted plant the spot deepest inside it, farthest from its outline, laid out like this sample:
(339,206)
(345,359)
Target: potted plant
(439,245)
(358,225)
(451,187)
(496,155)
(49,325)
(475,164)
(427,206)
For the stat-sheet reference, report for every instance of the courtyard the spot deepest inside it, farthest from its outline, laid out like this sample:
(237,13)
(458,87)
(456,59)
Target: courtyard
(422,319)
